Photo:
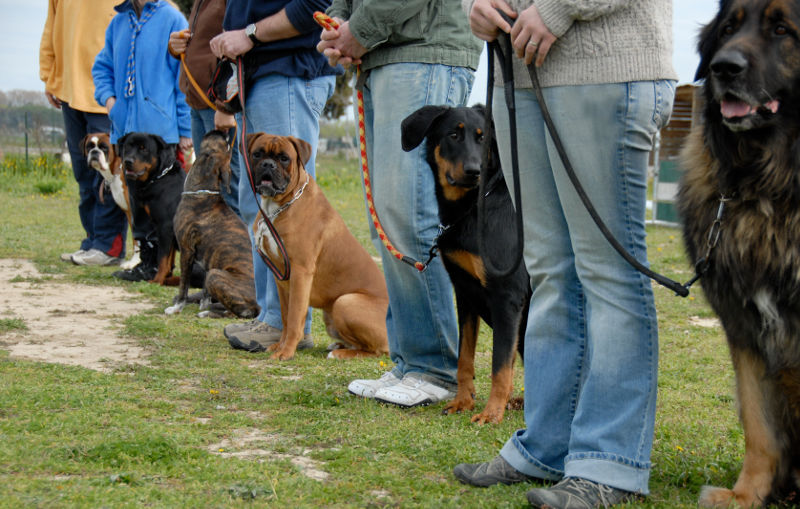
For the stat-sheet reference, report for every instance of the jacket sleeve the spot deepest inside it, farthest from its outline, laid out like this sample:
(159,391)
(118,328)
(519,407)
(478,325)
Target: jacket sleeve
(182,109)
(103,70)
(340,9)
(559,15)
(301,13)
(46,52)
(374,20)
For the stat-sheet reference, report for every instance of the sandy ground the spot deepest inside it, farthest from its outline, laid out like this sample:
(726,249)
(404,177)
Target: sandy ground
(66,323)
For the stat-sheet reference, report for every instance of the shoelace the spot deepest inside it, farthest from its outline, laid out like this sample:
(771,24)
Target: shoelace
(588,490)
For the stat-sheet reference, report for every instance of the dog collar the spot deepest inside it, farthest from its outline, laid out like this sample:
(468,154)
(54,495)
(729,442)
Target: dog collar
(201,191)
(272,215)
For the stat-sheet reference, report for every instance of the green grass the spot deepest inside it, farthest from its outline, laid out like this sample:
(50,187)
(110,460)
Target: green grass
(156,435)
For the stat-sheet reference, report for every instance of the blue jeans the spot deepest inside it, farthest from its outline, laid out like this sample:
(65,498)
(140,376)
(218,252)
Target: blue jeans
(284,106)
(422,326)
(105,224)
(203,122)
(591,346)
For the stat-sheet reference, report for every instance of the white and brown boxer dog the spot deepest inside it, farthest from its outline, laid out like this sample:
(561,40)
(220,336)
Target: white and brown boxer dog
(330,269)
(101,156)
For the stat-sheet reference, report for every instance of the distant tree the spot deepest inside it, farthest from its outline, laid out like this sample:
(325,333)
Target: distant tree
(185,6)
(22,97)
(342,97)
(3,99)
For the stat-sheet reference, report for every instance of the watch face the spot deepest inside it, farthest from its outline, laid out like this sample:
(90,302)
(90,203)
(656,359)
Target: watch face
(250,30)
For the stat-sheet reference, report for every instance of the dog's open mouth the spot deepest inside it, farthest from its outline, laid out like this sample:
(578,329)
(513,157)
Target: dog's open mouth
(268,187)
(733,108)
(468,182)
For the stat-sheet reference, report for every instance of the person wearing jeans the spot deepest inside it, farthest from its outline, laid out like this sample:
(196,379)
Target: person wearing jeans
(73,34)
(285,95)
(412,54)
(591,345)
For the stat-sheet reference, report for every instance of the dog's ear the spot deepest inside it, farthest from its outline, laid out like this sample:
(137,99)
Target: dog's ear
(303,149)
(416,126)
(708,41)
(121,143)
(251,138)
(84,141)
(167,154)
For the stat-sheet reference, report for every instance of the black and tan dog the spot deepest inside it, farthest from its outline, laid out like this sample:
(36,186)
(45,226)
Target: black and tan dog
(454,152)
(329,269)
(210,233)
(155,181)
(744,156)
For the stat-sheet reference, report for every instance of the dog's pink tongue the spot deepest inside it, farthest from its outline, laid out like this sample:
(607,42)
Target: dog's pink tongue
(732,109)
(772,106)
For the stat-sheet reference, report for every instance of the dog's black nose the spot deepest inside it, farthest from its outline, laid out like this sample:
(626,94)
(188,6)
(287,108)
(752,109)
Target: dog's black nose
(472,171)
(728,64)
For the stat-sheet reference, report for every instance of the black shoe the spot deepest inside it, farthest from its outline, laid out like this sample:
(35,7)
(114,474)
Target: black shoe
(138,273)
(497,471)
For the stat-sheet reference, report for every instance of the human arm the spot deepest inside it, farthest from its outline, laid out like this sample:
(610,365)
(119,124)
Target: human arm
(47,54)
(103,73)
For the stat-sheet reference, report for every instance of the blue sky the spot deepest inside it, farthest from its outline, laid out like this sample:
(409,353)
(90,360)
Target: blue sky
(21,25)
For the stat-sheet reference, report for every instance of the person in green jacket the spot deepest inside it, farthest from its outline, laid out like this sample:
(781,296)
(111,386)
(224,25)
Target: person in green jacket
(411,54)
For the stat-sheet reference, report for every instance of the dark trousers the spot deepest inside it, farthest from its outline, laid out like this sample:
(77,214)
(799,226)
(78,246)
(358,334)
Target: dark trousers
(105,224)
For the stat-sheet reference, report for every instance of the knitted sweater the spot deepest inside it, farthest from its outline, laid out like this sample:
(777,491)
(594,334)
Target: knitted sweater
(600,41)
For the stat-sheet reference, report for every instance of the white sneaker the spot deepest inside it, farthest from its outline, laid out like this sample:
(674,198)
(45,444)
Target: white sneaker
(95,257)
(413,391)
(368,388)
(67,257)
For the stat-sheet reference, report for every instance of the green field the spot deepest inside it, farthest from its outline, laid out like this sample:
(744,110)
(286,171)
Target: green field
(203,425)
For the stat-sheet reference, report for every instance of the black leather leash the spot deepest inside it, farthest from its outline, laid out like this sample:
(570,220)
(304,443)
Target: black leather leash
(503,44)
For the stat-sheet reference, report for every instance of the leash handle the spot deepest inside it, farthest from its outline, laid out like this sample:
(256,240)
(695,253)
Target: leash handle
(328,23)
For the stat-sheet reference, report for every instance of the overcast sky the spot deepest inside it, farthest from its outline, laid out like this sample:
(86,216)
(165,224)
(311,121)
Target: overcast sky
(21,24)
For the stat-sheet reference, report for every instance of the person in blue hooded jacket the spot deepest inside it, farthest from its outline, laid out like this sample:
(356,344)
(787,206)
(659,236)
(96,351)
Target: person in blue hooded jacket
(136,79)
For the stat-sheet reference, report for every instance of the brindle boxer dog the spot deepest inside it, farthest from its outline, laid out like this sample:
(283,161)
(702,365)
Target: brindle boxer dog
(209,232)
(330,270)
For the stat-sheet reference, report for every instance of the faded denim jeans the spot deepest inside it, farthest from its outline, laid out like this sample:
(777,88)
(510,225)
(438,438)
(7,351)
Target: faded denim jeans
(591,346)
(284,106)
(422,326)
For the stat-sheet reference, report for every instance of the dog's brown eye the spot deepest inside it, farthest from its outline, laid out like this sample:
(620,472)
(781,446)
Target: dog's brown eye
(481,137)
(781,30)
(453,136)
(727,29)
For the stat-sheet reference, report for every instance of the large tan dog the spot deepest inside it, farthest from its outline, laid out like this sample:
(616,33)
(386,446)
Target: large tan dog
(329,269)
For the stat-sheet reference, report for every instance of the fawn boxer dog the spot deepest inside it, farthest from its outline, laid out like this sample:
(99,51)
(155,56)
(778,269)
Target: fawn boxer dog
(329,268)
(101,156)
(210,233)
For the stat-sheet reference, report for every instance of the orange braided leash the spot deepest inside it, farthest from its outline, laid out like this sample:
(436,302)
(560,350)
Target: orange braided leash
(328,23)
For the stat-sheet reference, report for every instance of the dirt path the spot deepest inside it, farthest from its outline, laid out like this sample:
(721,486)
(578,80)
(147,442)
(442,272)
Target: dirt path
(66,323)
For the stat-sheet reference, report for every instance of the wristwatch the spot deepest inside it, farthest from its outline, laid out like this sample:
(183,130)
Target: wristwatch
(250,31)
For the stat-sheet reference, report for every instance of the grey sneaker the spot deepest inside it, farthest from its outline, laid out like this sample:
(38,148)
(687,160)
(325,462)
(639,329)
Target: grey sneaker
(67,257)
(95,257)
(577,493)
(261,337)
(413,391)
(233,328)
(497,471)
(368,388)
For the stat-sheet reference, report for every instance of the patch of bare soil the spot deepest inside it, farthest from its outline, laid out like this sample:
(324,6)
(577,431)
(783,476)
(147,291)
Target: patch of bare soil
(66,323)
(252,444)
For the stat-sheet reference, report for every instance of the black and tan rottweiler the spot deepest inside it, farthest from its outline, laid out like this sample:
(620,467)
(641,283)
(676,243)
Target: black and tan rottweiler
(455,144)
(209,232)
(743,156)
(155,182)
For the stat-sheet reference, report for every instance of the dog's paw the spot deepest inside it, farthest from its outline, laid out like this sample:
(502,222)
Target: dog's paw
(490,415)
(459,404)
(175,309)
(711,496)
(282,355)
